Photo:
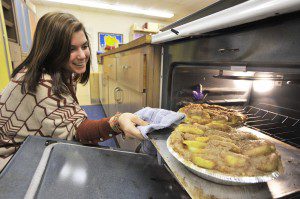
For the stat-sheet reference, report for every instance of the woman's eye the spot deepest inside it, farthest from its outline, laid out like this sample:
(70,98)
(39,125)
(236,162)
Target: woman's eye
(85,47)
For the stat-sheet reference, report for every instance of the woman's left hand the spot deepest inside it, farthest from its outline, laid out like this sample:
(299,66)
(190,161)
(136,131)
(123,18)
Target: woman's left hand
(128,122)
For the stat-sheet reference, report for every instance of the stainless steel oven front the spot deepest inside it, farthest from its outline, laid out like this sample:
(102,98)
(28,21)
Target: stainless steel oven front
(254,68)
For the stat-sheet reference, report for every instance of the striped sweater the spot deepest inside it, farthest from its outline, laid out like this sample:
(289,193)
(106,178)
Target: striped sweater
(44,114)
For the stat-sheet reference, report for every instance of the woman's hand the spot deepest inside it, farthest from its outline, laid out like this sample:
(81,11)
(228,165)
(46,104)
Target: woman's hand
(128,122)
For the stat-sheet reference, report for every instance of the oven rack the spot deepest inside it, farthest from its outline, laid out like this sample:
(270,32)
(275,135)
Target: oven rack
(234,77)
(278,126)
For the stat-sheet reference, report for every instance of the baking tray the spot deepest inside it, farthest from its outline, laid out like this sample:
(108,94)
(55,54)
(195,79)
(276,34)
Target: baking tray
(76,171)
(218,177)
(87,172)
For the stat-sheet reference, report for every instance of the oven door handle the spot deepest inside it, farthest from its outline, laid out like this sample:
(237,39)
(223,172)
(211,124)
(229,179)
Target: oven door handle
(223,50)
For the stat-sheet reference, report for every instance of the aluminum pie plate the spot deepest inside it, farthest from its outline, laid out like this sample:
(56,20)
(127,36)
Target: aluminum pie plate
(218,177)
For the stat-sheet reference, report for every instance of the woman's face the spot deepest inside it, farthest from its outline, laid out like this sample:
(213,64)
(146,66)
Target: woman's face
(80,53)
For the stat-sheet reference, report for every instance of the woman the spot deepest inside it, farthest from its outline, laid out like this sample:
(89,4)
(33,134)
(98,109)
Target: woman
(40,98)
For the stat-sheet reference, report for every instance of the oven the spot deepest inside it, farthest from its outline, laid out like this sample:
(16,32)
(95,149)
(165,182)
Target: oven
(252,67)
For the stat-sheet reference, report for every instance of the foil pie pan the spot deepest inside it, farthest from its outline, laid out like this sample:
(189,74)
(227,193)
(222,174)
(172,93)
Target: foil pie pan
(218,177)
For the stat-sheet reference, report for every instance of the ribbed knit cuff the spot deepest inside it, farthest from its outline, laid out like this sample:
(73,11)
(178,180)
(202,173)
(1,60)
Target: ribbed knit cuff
(94,131)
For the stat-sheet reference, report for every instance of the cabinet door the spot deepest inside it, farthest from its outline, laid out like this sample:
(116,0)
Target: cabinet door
(109,67)
(130,71)
(15,52)
(129,100)
(137,100)
(124,105)
(122,99)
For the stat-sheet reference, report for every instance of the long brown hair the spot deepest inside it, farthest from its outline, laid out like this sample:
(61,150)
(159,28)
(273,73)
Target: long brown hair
(50,53)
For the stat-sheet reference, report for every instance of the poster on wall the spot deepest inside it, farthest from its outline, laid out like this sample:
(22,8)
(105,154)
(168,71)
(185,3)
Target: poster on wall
(108,41)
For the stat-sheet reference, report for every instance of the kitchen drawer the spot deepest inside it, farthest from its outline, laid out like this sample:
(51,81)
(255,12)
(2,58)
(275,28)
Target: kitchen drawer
(131,71)
(109,67)
(15,52)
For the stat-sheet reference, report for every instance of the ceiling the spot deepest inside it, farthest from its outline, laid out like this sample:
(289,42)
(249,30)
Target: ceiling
(180,8)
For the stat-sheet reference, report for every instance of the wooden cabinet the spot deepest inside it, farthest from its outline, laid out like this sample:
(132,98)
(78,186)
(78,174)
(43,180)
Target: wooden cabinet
(10,21)
(131,69)
(137,100)
(129,100)
(110,67)
(5,63)
(15,53)
(11,27)
(120,98)
(19,22)
(130,81)
(123,99)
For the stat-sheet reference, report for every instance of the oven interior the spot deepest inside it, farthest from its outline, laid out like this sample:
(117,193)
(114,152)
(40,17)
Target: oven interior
(268,96)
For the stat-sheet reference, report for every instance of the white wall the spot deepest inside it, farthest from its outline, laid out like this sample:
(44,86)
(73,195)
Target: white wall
(97,21)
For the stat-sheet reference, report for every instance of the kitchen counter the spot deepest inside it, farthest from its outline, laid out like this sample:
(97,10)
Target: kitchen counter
(76,171)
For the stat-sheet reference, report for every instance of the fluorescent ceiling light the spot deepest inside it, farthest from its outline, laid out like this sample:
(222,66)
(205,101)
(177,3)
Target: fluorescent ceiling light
(116,7)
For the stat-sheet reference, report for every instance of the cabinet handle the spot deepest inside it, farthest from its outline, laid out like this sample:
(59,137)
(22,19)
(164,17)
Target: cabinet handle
(110,65)
(115,94)
(118,95)
(125,67)
(121,96)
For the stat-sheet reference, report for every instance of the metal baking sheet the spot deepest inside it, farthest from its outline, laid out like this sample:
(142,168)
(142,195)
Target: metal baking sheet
(85,172)
(219,177)
(75,171)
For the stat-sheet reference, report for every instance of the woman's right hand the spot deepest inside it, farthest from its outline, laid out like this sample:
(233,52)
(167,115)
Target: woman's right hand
(128,123)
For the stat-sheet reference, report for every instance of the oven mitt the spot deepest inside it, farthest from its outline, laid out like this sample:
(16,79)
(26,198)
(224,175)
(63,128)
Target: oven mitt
(158,119)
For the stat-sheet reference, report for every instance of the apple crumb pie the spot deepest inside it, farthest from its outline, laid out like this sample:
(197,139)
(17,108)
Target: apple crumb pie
(204,114)
(209,141)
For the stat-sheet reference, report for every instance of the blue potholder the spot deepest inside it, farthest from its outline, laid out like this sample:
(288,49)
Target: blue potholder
(158,119)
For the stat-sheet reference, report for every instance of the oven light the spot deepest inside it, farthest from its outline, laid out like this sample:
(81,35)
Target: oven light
(242,84)
(244,74)
(263,86)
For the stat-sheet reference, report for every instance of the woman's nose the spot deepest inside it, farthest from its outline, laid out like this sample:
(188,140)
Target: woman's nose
(81,54)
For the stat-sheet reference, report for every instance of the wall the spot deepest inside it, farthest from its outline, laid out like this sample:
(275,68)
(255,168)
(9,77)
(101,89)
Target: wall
(94,22)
